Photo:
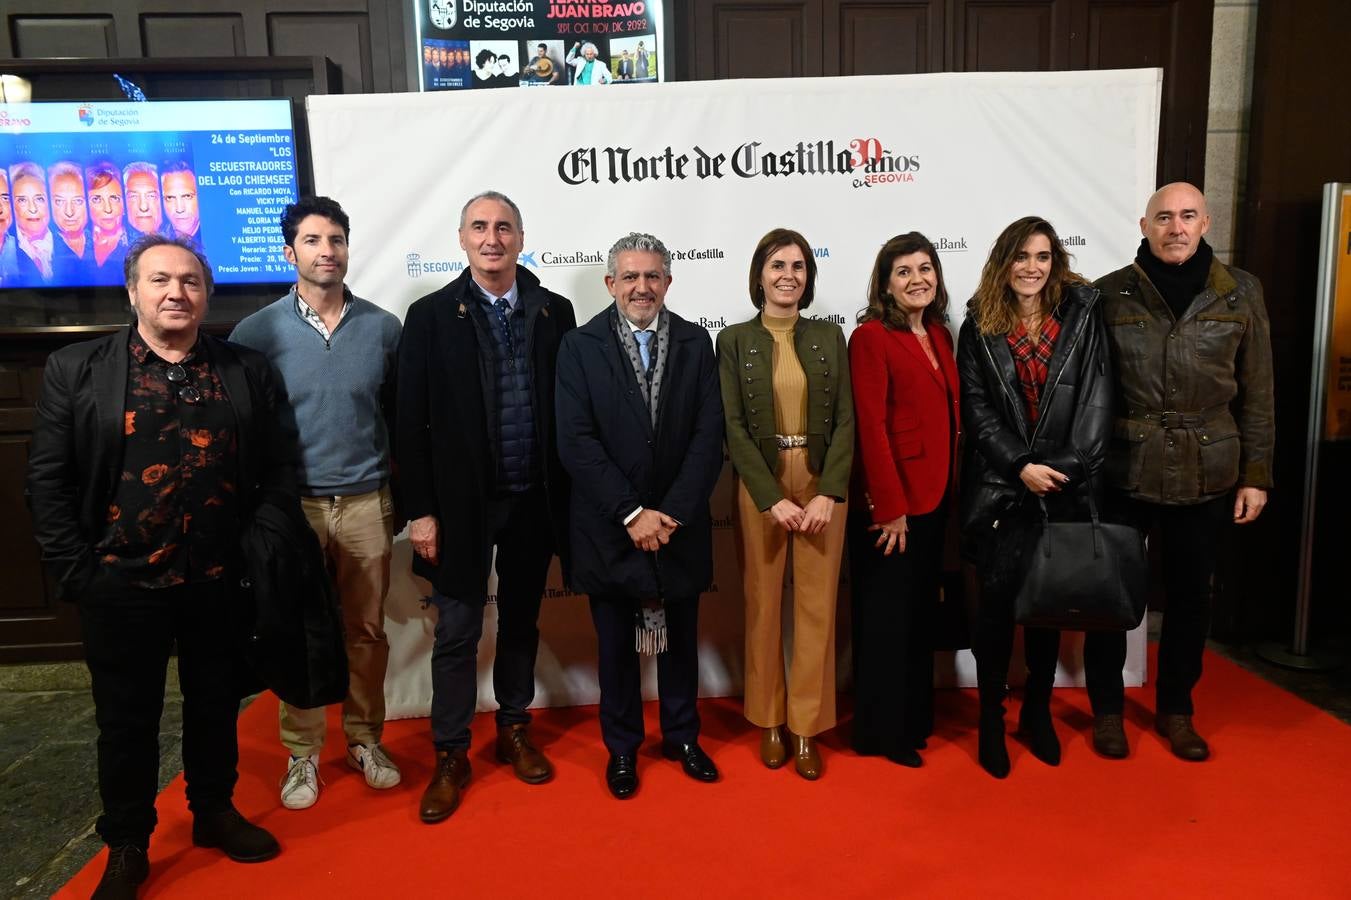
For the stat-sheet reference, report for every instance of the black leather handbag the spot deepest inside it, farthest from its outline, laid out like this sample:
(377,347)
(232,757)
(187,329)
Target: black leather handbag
(1084,576)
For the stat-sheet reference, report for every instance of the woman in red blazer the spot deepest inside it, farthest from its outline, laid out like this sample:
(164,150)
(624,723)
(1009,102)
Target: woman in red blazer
(906,405)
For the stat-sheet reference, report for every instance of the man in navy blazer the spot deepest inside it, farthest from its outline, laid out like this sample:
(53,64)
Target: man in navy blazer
(640,431)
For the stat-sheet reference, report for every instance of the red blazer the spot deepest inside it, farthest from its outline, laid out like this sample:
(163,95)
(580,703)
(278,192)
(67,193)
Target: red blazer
(907,414)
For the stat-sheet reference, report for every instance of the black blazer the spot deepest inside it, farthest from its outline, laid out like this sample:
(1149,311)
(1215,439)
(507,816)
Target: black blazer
(618,462)
(76,454)
(445,455)
(1074,418)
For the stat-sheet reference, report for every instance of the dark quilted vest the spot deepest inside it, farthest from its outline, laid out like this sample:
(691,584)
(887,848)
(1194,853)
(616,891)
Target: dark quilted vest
(517,469)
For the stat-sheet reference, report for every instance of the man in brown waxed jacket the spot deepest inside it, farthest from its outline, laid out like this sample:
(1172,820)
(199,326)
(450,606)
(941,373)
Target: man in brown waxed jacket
(1191,347)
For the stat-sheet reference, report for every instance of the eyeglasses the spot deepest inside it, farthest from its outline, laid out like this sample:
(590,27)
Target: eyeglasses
(179,378)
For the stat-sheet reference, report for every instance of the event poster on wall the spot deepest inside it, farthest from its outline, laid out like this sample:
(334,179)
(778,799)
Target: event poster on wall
(709,167)
(479,44)
(87,179)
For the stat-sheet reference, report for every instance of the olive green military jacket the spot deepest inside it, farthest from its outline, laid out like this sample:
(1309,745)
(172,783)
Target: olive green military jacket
(746,368)
(1194,407)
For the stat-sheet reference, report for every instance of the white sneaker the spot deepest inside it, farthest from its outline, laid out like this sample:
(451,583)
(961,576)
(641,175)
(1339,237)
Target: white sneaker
(372,761)
(300,787)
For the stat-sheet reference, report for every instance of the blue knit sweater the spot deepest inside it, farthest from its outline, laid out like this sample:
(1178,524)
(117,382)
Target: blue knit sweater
(337,388)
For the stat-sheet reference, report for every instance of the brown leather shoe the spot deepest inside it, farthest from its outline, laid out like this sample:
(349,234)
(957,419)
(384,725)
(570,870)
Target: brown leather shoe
(514,747)
(1182,737)
(773,751)
(806,758)
(1109,736)
(442,795)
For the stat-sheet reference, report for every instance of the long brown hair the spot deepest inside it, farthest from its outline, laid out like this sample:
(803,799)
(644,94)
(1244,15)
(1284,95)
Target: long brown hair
(881,305)
(994,305)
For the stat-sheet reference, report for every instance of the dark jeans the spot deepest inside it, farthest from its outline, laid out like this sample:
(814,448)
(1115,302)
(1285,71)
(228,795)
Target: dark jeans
(519,525)
(128,635)
(895,603)
(1191,539)
(621,696)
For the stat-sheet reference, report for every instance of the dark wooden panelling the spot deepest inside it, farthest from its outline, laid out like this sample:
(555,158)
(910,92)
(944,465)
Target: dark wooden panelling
(1127,37)
(883,38)
(92,36)
(345,39)
(192,35)
(743,38)
(1300,138)
(757,40)
(33,624)
(1174,35)
(1011,36)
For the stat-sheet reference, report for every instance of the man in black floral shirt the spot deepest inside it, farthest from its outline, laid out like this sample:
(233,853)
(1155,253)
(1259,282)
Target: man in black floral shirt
(150,446)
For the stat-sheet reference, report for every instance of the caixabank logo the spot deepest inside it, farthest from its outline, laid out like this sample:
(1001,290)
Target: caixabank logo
(862,162)
(567,257)
(416,266)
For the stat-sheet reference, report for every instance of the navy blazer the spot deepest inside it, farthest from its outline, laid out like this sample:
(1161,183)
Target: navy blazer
(619,462)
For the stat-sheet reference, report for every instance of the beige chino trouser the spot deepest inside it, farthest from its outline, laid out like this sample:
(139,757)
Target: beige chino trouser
(807,702)
(356,534)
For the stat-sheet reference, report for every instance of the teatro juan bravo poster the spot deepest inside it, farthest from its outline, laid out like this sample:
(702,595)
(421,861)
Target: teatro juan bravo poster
(480,44)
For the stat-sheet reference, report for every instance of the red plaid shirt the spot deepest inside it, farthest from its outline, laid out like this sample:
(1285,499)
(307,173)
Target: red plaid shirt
(1032,360)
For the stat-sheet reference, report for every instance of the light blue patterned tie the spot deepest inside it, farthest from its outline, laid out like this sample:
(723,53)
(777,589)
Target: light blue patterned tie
(644,338)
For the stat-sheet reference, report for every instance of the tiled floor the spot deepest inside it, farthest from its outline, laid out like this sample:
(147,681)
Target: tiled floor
(47,779)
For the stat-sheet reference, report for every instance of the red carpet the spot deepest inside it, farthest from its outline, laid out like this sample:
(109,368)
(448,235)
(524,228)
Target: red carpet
(1267,816)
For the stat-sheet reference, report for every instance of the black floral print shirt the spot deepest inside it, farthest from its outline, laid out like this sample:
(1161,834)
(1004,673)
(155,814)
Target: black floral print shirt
(172,518)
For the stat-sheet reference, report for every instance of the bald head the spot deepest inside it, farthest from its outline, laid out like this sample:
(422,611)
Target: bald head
(1174,221)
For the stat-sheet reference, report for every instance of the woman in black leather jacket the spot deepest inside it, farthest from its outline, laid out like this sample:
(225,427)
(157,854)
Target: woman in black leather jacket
(1036,409)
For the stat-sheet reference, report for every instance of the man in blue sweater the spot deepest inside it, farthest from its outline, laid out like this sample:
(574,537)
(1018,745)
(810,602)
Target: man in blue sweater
(336,355)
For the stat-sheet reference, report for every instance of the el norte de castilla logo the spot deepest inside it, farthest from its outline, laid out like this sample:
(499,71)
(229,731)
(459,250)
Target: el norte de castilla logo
(865,162)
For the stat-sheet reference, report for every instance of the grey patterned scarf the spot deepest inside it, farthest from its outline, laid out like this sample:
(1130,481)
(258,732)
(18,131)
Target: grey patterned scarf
(651,387)
(649,626)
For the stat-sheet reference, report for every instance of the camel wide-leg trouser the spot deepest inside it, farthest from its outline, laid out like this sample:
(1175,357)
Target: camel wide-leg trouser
(807,702)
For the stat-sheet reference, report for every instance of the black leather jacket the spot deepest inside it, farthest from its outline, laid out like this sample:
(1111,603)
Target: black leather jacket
(1073,427)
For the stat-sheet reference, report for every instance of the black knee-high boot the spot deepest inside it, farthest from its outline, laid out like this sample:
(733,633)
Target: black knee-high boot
(992,645)
(1041,648)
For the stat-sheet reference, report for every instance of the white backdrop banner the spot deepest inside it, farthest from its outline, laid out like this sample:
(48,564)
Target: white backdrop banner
(709,167)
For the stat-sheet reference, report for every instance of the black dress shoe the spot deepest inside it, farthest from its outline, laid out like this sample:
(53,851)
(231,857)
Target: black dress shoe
(241,840)
(908,757)
(128,866)
(693,760)
(621,775)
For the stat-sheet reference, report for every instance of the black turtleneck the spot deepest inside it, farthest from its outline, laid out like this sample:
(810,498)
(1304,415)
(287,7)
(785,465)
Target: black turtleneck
(1178,284)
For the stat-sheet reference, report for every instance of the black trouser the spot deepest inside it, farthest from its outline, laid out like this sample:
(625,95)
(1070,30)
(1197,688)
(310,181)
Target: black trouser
(1191,539)
(621,696)
(1104,655)
(128,635)
(518,525)
(895,601)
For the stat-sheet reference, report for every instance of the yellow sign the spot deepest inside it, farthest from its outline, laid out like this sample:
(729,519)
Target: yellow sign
(1337,425)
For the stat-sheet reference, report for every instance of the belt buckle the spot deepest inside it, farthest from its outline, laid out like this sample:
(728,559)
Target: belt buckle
(1170,419)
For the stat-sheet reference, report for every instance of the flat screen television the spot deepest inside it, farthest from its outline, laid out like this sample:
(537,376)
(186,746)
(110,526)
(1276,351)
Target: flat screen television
(80,181)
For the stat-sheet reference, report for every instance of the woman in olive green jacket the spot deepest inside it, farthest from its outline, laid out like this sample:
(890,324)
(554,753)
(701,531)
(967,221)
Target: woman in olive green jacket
(790,434)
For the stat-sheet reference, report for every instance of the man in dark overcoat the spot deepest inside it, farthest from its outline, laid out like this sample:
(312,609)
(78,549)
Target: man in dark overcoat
(478,469)
(640,431)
